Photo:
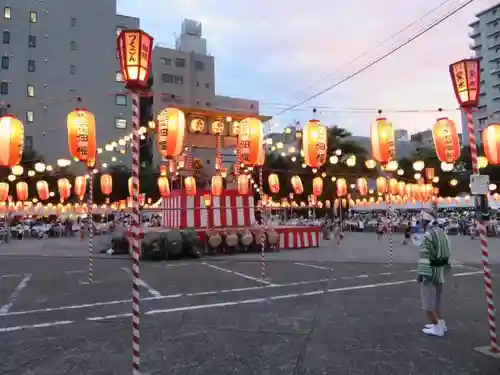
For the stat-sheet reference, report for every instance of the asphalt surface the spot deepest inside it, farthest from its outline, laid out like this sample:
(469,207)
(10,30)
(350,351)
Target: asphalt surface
(217,316)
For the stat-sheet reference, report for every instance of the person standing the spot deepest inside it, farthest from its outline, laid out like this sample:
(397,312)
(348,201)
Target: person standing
(433,267)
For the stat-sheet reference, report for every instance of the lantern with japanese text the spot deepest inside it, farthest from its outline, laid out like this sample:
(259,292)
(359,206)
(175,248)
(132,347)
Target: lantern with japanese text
(382,140)
(393,186)
(243,182)
(314,144)
(11,141)
(42,188)
(362,186)
(381,185)
(171,132)
(317,186)
(341,187)
(80,186)
(4,191)
(22,191)
(274,183)
(130,185)
(106,184)
(251,141)
(491,143)
(64,188)
(465,78)
(446,140)
(401,188)
(429,173)
(81,135)
(190,186)
(297,186)
(163,186)
(207,200)
(134,53)
(216,186)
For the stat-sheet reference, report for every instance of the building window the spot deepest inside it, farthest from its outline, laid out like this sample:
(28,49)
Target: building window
(165,61)
(4,88)
(33,17)
(208,104)
(197,84)
(121,99)
(31,65)
(28,142)
(72,22)
(7,13)
(180,63)
(30,91)
(72,45)
(199,65)
(30,116)
(5,62)
(6,37)
(207,85)
(32,41)
(119,77)
(167,78)
(72,70)
(120,123)
(178,80)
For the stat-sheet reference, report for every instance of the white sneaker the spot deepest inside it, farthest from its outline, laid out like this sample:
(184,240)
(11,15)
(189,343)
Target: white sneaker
(435,330)
(441,322)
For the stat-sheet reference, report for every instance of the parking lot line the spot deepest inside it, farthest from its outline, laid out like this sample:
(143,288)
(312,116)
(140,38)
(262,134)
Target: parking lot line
(145,285)
(32,326)
(14,275)
(13,297)
(239,274)
(313,266)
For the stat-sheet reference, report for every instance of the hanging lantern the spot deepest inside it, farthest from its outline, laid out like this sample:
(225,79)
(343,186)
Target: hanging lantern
(314,144)
(135,48)
(491,143)
(393,186)
(64,188)
(382,141)
(4,191)
(251,141)
(341,187)
(401,188)
(42,188)
(400,172)
(482,162)
(80,186)
(446,141)
(381,185)
(409,191)
(106,184)
(370,164)
(362,186)
(351,161)
(163,186)
(81,135)
(465,76)
(11,141)
(207,200)
(130,185)
(190,186)
(317,186)
(447,167)
(453,182)
(429,173)
(171,132)
(17,170)
(216,186)
(274,183)
(22,191)
(243,182)
(418,165)
(297,186)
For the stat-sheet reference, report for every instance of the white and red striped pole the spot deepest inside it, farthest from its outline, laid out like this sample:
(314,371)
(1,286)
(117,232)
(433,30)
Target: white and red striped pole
(90,203)
(488,285)
(136,235)
(389,231)
(262,228)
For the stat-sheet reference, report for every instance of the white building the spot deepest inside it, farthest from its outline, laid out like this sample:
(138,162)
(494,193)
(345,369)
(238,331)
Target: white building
(54,51)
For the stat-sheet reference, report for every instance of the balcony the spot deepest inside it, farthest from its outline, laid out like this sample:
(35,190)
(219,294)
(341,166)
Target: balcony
(495,71)
(475,45)
(474,33)
(495,44)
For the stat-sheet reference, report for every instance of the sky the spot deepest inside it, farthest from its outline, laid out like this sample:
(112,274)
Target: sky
(281,52)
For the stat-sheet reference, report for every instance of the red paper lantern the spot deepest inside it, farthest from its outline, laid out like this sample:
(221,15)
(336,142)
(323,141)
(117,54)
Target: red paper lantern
(81,135)
(341,187)
(297,186)
(401,188)
(106,184)
(409,191)
(130,186)
(4,191)
(163,186)
(317,186)
(491,143)
(362,186)
(216,186)
(429,173)
(80,186)
(251,141)
(381,185)
(22,191)
(393,186)
(243,182)
(446,140)
(135,48)
(190,186)
(11,141)
(64,188)
(171,132)
(465,80)
(207,199)
(382,140)
(274,183)
(314,144)
(42,188)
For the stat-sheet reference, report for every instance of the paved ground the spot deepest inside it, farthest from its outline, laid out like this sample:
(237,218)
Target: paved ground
(317,313)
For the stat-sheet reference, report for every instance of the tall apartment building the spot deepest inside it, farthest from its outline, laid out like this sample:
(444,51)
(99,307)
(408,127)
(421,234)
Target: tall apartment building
(485,35)
(54,51)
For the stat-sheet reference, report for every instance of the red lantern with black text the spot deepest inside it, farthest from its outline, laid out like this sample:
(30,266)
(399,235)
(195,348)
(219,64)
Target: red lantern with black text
(243,182)
(171,132)
(491,143)
(274,183)
(446,141)
(106,184)
(341,187)
(383,140)
(297,186)
(81,135)
(11,141)
(80,186)
(465,79)
(314,144)
(22,191)
(135,48)
(190,186)
(42,188)
(4,191)
(381,185)
(163,186)
(317,186)
(64,188)
(251,141)
(362,186)
(216,186)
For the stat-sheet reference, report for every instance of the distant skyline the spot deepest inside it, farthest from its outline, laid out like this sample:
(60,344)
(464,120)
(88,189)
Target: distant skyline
(281,55)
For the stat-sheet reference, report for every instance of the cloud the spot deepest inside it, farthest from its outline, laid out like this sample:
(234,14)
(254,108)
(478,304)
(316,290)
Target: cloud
(281,51)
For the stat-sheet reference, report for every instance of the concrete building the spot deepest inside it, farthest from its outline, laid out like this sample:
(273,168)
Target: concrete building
(401,134)
(423,139)
(485,45)
(53,52)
